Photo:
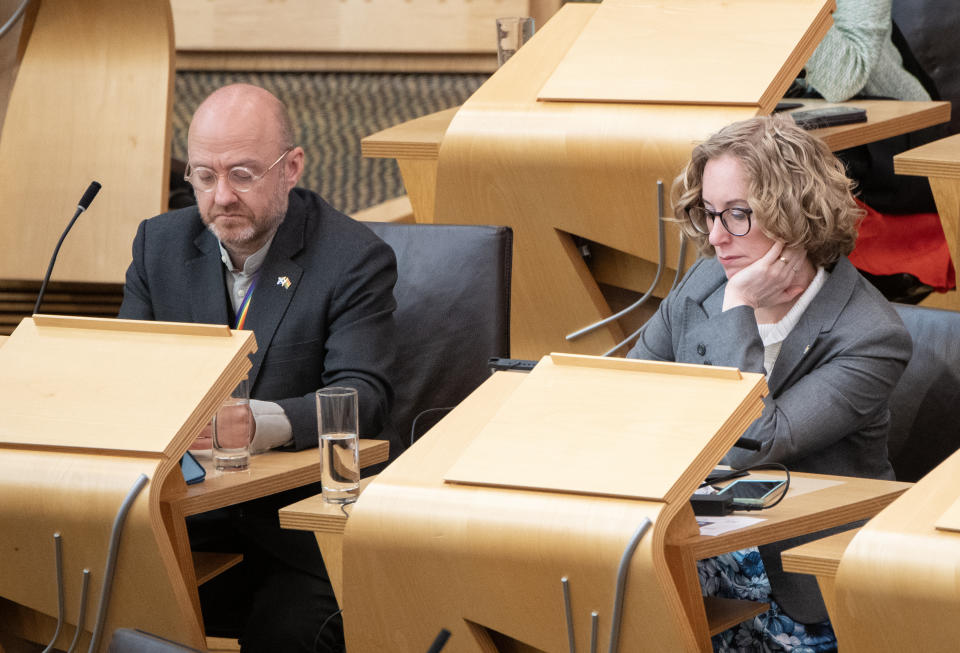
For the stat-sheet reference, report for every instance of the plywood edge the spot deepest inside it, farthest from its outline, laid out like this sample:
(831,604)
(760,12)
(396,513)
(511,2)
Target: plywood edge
(950,519)
(398,209)
(653,367)
(843,137)
(137,326)
(210,564)
(727,613)
(419,138)
(795,62)
(820,557)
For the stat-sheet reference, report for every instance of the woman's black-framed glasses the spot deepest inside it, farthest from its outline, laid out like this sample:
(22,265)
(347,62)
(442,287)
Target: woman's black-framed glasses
(735,220)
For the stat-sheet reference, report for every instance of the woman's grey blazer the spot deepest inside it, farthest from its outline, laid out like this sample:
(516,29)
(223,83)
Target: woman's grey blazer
(827,408)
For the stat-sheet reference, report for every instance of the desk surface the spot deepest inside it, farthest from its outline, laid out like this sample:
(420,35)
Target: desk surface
(420,138)
(849,500)
(938,159)
(819,557)
(269,473)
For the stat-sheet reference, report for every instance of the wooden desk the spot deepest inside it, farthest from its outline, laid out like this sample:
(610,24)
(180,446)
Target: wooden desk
(891,585)
(820,558)
(615,260)
(847,499)
(940,162)
(269,473)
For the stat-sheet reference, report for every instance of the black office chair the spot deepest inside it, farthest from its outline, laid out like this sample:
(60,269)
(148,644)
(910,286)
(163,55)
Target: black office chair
(925,404)
(453,314)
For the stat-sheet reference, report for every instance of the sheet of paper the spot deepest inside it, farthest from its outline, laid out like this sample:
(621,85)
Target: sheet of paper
(713,526)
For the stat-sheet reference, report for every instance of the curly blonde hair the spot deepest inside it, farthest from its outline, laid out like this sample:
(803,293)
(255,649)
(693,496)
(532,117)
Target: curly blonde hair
(798,190)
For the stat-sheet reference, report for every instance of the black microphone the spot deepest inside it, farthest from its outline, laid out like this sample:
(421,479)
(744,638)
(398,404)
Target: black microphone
(88,196)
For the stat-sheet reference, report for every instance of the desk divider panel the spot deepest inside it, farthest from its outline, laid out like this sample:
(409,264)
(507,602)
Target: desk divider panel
(89,409)
(485,559)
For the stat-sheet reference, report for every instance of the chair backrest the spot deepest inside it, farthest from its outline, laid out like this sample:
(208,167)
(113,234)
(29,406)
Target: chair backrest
(925,404)
(453,313)
(930,28)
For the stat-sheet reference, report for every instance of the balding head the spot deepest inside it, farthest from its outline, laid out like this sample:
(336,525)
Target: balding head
(243,111)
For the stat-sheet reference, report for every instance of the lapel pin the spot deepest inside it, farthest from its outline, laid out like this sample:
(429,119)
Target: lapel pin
(283,281)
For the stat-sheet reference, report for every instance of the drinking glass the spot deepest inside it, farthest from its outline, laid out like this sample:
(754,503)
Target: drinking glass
(233,428)
(339,445)
(512,32)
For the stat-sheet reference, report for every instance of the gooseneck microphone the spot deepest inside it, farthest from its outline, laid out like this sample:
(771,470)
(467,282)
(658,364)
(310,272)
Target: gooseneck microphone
(82,205)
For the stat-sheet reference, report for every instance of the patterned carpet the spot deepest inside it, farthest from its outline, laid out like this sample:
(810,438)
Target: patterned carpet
(331,113)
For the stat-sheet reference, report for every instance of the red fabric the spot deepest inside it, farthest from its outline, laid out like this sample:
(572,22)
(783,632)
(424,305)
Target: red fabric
(914,243)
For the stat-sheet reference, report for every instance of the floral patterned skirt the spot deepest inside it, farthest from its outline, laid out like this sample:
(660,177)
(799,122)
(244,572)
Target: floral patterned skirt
(740,575)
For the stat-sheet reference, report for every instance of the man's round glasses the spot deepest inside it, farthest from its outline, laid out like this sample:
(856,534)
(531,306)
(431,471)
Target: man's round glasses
(239,178)
(735,220)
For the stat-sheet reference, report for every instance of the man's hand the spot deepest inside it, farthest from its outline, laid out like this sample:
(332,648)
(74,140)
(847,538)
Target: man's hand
(204,441)
(769,281)
(233,426)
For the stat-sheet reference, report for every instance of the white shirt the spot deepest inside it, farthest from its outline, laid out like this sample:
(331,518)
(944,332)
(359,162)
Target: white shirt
(774,334)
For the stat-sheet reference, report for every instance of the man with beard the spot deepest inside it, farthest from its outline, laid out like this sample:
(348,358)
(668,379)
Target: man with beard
(317,290)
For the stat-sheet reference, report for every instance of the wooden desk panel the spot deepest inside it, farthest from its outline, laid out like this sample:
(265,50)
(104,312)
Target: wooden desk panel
(897,586)
(554,291)
(411,478)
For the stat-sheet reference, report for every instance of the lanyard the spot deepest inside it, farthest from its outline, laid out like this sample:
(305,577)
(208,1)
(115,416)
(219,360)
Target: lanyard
(244,307)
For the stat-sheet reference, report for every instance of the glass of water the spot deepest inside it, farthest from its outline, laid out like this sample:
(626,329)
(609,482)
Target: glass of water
(339,445)
(233,427)
(512,32)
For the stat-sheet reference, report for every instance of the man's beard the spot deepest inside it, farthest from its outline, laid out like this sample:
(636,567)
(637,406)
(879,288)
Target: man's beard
(255,229)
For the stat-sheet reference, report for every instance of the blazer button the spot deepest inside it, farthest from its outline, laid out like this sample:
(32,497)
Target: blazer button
(707,363)
(701,349)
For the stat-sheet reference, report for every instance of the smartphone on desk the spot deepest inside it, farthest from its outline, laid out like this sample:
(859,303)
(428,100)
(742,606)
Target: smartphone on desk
(828,117)
(753,493)
(193,472)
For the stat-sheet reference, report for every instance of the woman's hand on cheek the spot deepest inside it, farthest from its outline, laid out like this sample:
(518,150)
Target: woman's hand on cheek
(769,281)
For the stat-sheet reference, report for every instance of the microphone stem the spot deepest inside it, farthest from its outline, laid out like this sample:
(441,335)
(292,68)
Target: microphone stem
(53,259)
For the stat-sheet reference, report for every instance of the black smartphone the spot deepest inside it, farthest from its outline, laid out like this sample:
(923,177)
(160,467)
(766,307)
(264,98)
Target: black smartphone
(193,472)
(787,106)
(753,493)
(828,117)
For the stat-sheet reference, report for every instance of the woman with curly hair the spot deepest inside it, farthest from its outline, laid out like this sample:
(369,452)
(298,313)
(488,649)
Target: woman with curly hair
(772,211)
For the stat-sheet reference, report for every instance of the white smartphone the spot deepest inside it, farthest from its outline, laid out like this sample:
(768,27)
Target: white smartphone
(752,492)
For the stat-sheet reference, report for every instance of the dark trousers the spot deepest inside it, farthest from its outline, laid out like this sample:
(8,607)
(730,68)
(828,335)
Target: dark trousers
(279,598)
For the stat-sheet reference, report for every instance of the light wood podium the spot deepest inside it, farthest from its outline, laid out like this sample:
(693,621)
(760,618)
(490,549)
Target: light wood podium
(537,478)
(472,528)
(95,413)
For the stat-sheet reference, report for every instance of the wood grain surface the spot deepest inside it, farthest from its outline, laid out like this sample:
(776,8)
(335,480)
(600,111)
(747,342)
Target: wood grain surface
(897,588)
(91,101)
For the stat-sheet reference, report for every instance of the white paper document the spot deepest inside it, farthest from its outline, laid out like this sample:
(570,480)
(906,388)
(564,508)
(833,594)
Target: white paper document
(713,526)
